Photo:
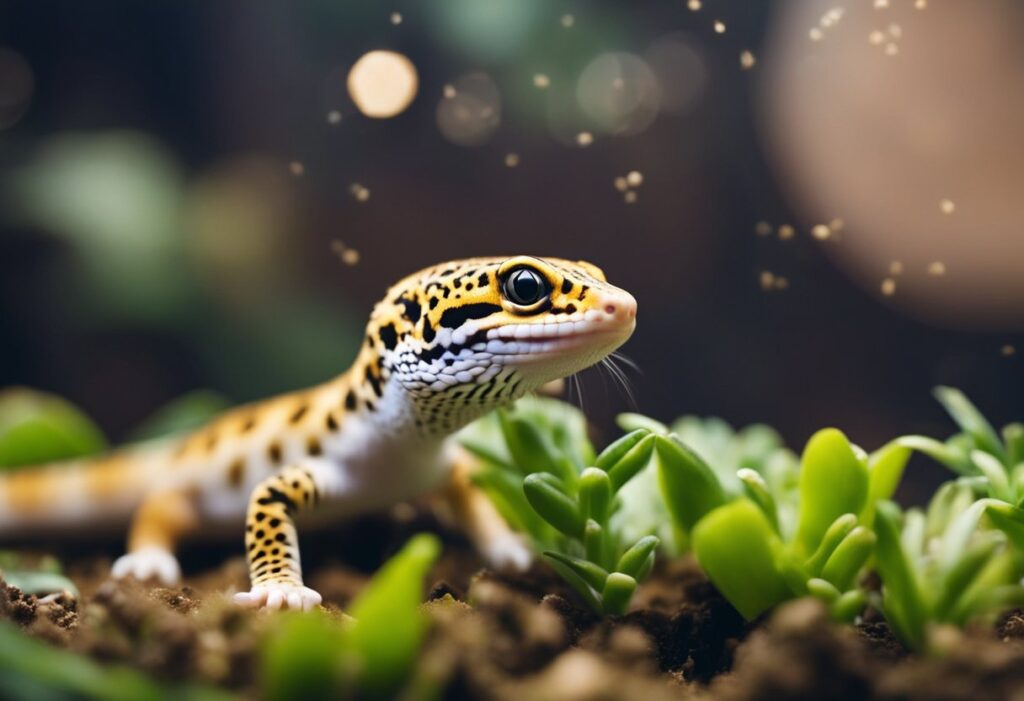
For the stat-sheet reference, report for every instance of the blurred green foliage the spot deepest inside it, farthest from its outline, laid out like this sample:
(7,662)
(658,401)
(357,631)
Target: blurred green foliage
(368,656)
(36,427)
(31,670)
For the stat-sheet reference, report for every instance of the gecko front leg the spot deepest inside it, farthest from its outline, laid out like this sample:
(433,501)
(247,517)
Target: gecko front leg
(271,539)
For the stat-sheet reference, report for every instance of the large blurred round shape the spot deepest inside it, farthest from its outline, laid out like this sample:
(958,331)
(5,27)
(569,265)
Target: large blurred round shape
(16,85)
(469,114)
(880,140)
(679,70)
(619,93)
(382,84)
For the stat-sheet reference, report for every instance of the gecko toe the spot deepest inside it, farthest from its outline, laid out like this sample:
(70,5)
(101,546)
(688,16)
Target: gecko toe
(146,564)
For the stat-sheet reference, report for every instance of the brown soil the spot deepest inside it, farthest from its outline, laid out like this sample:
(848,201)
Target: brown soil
(525,636)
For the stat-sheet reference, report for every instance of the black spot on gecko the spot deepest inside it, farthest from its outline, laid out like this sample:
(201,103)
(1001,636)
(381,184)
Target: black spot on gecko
(236,473)
(433,302)
(374,383)
(484,280)
(350,400)
(297,415)
(428,330)
(389,336)
(332,423)
(566,286)
(274,453)
(313,447)
(570,308)
(456,316)
(248,424)
(274,523)
(412,310)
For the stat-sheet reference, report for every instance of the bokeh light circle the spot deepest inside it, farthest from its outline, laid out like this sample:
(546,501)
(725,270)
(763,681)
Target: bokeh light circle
(470,111)
(382,84)
(619,93)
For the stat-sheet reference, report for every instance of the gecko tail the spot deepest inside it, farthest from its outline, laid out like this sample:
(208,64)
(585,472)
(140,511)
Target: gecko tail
(78,496)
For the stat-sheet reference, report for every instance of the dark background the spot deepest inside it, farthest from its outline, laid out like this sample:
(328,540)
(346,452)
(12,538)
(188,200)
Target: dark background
(220,97)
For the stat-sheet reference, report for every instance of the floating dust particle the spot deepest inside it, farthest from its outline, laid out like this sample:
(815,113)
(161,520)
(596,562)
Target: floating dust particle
(896,267)
(541,81)
(635,178)
(348,256)
(747,60)
(694,5)
(396,18)
(947,206)
(831,17)
(781,283)
(620,184)
(821,232)
(895,31)
(334,117)
(629,197)
(786,232)
(719,27)
(881,4)
(888,287)
(296,168)
(568,21)
(937,268)
(876,37)
(511,160)
(816,34)
(763,228)
(449,91)
(920,4)
(767,280)
(1007,350)
(891,49)
(584,138)
(836,224)
(359,192)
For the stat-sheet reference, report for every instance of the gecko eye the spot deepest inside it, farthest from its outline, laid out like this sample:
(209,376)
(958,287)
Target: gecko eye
(525,287)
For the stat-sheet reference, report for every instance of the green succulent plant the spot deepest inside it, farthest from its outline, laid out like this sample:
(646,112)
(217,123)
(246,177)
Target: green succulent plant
(542,473)
(762,541)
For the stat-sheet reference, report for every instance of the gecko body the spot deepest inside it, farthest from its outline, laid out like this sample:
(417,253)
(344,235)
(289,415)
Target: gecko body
(445,346)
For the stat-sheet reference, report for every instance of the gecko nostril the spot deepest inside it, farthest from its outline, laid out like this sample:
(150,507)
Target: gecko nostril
(610,309)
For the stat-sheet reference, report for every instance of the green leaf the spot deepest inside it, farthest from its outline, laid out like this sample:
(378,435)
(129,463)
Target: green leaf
(576,582)
(595,494)
(553,505)
(594,575)
(1010,520)
(633,422)
(618,448)
(755,489)
(185,413)
(635,559)
(998,479)
(636,459)
(849,558)
(902,600)
(951,456)
(618,590)
(389,626)
(595,543)
(960,576)
(531,452)
(505,490)
(689,487)
(36,427)
(885,470)
(736,546)
(832,538)
(1013,438)
(833,482)
(39,583)
(301,658)
(970,420)
(848,605)
(823,589)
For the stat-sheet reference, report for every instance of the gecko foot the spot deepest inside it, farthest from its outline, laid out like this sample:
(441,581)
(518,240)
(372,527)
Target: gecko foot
(508,551)
(279,596)
(148,563)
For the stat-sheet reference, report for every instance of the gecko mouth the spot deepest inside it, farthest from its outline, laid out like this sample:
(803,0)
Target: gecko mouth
(529,343)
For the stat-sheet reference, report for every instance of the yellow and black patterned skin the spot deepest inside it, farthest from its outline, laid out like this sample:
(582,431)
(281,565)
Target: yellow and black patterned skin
(444,346)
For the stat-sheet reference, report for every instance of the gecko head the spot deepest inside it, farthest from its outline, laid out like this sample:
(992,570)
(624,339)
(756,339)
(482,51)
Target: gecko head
(463,337)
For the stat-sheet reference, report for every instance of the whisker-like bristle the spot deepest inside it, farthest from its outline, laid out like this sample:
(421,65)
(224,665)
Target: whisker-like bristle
(619,378)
